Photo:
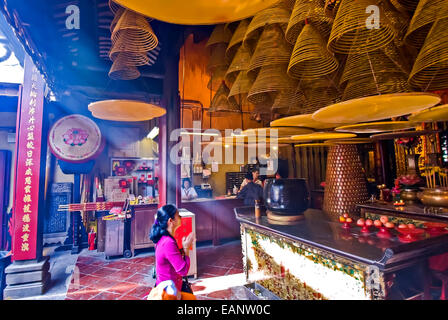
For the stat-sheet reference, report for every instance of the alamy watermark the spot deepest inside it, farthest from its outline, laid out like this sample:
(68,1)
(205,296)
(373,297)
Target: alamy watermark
(73,21)
(373,21)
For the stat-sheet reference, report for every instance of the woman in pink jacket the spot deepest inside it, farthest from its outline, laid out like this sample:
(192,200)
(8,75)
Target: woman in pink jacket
(171,262)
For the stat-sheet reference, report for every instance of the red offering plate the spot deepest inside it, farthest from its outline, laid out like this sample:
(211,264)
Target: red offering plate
(410,235)
(384,232)
(436,228)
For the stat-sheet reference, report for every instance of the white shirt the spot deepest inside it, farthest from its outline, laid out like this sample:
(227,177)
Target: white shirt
(189,193)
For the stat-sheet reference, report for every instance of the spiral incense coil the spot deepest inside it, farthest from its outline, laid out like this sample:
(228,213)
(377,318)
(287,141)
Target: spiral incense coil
(240,62)
(117,17)
(122,70)
(242,84)
(135,31)
(366,64)
(430,71)
(278,14)
(398,20)
(308,11)
(221,104)
(346,184)
(271,78)
(289,3)
(400,57)
(426,13)
(131,56)
(350,33)
(237,38)
(216,78)
(382,83)
(231,26)
(272,49)
(287,102)
(219,35)
(265,107)
(217,57)
(405,5)
(310,58)
(315,99)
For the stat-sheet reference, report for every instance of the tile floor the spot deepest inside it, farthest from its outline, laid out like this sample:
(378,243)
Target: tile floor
(220,275)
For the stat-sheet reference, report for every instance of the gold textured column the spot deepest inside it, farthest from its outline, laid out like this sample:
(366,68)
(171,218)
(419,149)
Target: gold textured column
(346,184)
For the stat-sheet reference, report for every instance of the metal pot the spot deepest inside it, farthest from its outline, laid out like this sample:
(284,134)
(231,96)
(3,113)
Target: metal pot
(286,196)
(436,197)
(409,195)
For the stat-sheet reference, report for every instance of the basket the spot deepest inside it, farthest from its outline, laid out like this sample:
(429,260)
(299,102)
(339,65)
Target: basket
(272,49)
(430,70)
(311,11)
(350,34)
(310,58)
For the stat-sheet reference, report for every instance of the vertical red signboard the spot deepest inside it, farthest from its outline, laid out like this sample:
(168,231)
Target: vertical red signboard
(28,164)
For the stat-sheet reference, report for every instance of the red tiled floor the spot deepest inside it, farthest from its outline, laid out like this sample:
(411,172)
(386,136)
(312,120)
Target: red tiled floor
(96,278)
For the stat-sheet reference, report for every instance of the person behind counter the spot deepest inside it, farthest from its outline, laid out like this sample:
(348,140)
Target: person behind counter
(188,192)
(171,263)
(255,177)
(251,191)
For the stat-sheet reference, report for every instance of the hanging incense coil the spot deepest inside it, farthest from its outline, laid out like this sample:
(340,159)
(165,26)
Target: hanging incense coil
(382,83)
(346,184)
(399,21)
(216,78)
(219,35)
(310,58)
(277,14)
(264,107)
(289,3)
(287,102)
(135,32)
(272,48)
(405,5)
(129,56)
(430,71)
(366,64)
(240,62)
(350,33)
(231,26)
(426,13)
(315,99)
(221,104)
(270,79)
(117,17)
(312,12)
(121,70)
(242,84)
(217,57)
(237,38)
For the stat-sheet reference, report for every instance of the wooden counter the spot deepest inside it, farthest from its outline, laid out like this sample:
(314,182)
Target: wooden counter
(215,218)
(317,259)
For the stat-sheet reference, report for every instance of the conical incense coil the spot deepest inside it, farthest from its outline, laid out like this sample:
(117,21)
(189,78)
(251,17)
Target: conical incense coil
(242,84)
(308,11)
(310,58)
(240,62)
(398,20)
(135,31)
(382,83)
(287,102)
(117,17)
(114,7)
(217,57)
(219,35)
(121,70)
(331,7)
(216,78)
(134,55)
(366,64)
(346,184)
(278,14)
(221,103)
(317,98)
(350,32)
(430,71)
(426,13)
(405,5)
(271,78)
(237,38)
(272,48)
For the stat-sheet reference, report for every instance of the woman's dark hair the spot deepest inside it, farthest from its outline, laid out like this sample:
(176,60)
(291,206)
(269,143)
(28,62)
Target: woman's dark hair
(159,228)
(249,176)
(186,179)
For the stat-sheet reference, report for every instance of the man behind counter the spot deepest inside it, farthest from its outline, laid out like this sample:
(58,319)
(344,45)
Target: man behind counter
(250,192)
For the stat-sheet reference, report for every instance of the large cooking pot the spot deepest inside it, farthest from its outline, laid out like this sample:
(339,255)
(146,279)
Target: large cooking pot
(286,196)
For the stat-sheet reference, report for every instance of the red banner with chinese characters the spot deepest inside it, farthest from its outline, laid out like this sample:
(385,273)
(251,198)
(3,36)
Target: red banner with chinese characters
(28,152)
